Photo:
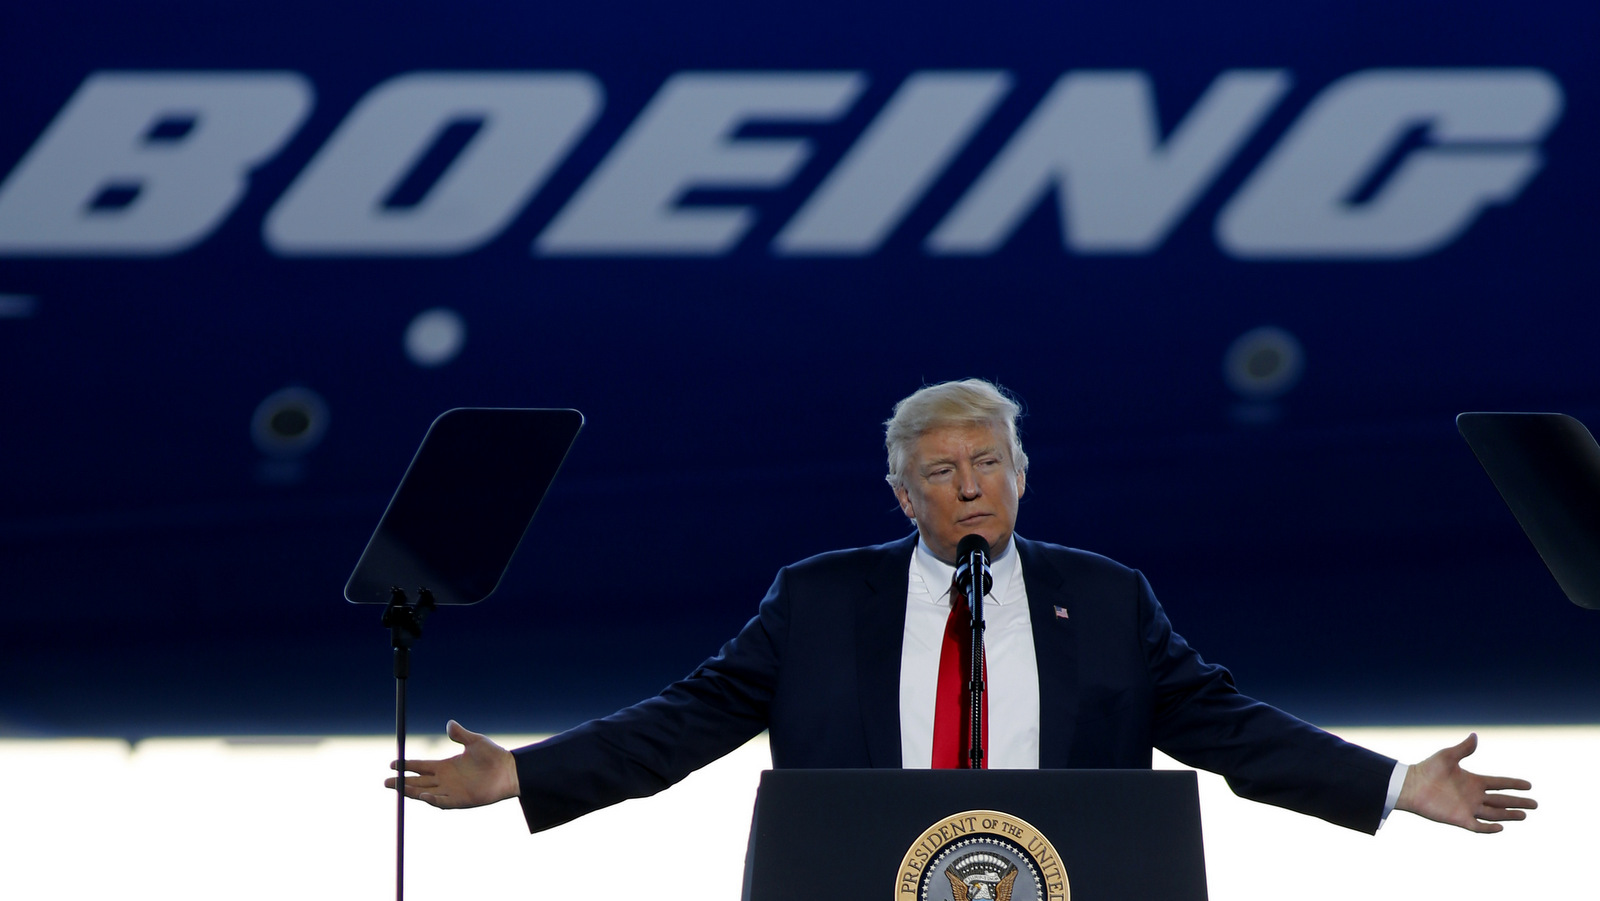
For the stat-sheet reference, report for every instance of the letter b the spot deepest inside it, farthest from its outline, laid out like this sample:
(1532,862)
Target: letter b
(174,149)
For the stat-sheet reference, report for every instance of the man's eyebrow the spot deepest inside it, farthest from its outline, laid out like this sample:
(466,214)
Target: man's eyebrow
(990,451)
(947,459)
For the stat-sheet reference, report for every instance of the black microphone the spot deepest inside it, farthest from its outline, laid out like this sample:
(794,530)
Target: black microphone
(972,554)
(974,581)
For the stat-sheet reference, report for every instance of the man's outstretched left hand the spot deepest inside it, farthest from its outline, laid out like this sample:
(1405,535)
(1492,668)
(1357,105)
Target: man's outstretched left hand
(1439,789)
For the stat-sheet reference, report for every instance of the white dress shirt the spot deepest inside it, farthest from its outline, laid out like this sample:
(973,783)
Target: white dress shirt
(1008,641)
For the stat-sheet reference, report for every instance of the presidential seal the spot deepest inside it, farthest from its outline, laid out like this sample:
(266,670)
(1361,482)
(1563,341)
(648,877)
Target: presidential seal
(982,855)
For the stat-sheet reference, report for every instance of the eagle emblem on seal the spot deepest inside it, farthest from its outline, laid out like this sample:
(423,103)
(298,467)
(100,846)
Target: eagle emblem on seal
(981,876)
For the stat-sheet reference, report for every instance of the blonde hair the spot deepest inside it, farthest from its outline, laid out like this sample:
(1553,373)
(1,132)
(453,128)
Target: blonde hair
(966,402)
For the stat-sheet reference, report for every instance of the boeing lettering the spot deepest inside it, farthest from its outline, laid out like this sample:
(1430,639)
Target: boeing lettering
(152,163)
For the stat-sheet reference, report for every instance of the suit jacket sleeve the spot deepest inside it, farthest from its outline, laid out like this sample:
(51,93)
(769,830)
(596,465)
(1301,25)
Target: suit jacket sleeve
(640,750)
(1200,718)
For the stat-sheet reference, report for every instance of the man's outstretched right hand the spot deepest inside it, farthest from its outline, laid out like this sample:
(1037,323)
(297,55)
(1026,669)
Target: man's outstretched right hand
(482,773)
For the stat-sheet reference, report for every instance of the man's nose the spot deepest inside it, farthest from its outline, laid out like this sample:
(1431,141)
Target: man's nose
(968,485)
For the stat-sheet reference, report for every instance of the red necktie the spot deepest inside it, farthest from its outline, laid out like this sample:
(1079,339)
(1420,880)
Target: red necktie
(952,716)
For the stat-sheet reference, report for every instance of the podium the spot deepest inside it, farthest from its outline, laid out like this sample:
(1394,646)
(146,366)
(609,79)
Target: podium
(976,835)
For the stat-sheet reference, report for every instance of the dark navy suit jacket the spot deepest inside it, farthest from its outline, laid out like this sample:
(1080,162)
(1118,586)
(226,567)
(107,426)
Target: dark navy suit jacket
(819,667)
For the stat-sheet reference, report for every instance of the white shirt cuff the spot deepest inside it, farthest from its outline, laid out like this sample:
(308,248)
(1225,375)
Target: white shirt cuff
(1397,780)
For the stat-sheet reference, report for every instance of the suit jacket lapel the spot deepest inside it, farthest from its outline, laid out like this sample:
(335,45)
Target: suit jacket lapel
(1055,648)
(880,633)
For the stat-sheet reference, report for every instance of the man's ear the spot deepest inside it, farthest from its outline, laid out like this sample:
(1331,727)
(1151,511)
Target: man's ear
(904,497)
(1022,482)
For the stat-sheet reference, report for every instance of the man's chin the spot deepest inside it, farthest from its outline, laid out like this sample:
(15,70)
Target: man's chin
(992,532)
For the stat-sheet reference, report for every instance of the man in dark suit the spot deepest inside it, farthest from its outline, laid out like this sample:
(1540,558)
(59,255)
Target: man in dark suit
(841,661)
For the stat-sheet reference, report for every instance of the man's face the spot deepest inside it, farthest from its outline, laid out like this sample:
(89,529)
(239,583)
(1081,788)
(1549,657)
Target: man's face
(961,481)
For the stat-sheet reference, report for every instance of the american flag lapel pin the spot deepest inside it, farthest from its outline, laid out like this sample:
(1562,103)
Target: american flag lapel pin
(1061,613)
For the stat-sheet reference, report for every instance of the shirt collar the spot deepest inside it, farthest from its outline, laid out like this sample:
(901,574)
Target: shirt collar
(938,575)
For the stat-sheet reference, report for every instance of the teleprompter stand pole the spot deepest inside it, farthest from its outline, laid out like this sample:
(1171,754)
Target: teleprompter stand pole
(404,620)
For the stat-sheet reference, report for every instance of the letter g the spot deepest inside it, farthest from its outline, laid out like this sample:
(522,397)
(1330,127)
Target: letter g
(1483,126)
